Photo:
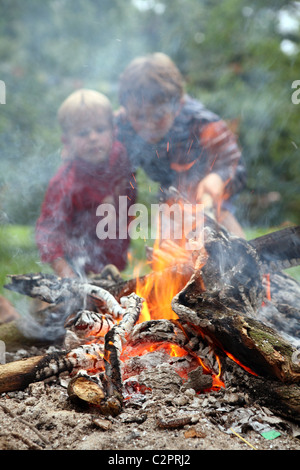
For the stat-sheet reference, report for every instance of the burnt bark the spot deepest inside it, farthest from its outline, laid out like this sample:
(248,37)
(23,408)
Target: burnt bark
(114,341)
(282,399)
(223,299)
(18,375)
(221,302)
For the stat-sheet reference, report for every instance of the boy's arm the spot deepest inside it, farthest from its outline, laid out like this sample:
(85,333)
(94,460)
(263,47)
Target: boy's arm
(228,174)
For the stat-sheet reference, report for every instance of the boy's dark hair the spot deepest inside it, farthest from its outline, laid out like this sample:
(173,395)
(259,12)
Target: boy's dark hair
(153,79)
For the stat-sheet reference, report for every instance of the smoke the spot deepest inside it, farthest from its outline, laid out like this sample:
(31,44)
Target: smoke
(52,48)
(46,327)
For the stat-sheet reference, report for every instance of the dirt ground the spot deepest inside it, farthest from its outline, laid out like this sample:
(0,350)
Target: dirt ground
(167,418)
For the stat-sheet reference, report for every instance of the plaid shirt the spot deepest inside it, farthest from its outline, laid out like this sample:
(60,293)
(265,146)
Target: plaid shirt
(67,223)
(198,143)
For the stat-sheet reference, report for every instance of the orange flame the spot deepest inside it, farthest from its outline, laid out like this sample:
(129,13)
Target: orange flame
(158,289)
(268,286)
(240,364)
(160,286)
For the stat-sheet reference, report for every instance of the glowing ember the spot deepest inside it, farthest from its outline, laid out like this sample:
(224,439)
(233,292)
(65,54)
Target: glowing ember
(172,349)
(171,267)
(240,364)
(169,261)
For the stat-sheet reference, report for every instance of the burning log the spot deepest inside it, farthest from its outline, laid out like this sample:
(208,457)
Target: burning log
(88,324)
(13,337)
(52,289)
(222,300)
(219,304)
(106,389)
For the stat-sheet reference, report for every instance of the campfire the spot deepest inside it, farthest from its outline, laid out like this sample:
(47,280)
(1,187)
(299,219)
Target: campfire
(198,314)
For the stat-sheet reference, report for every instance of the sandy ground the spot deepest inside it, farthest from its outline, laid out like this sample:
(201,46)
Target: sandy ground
(168,418)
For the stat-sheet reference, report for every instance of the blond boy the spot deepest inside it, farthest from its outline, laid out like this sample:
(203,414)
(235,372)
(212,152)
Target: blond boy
(95,171)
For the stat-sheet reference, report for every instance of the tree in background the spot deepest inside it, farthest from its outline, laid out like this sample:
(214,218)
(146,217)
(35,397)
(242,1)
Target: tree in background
(234,55)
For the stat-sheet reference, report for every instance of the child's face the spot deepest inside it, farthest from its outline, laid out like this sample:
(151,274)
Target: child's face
(91,139)
(149,121)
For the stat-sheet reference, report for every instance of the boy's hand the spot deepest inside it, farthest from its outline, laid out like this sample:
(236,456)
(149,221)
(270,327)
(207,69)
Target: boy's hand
(213,185)
(62,268)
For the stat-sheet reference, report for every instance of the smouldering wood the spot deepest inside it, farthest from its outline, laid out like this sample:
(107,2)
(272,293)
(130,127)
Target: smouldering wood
(223,299)
(115,339)
(52,289)
(18,375)
(86,389)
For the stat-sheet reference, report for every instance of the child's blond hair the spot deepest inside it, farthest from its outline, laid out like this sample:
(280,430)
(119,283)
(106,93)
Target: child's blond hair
(152,79)
(81,106)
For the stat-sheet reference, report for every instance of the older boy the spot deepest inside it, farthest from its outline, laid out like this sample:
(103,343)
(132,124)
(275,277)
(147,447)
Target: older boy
(175,139)
(95,171)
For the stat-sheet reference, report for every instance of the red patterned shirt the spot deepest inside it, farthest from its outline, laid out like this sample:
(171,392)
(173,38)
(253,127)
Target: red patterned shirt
(67,224)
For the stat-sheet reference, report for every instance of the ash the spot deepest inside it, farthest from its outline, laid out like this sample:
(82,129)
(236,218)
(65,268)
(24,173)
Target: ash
(161,412)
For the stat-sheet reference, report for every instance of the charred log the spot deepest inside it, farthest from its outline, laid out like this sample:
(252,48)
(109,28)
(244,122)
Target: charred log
(15,338)
(114,341)
(282,399)
(222,302)
(279,250)
(86,389)
(51,289)
(18,375)
(223,298)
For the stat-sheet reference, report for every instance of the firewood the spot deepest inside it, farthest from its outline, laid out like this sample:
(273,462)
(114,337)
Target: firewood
(222,300)
(247,340)
(49,288)
(86,389)
(114,341)
(280,249)
(18,375)
(282,398)
(55,290)
(173,423)
(153,331)
(221,303)
(107,392)
(86,324)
